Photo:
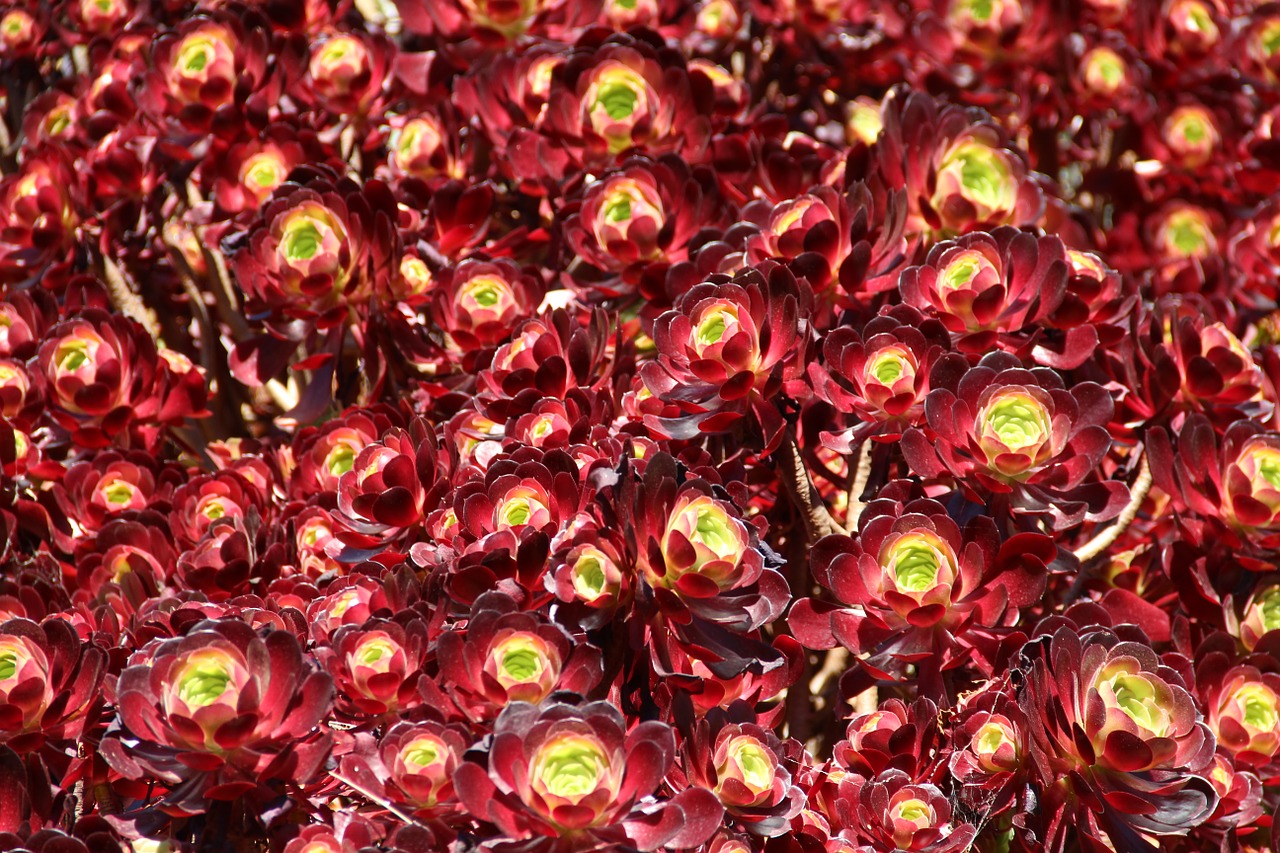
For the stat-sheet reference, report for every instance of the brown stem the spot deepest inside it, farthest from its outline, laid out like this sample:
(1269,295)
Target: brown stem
(1106,538)
(857,486)
(795,477)
(129,303)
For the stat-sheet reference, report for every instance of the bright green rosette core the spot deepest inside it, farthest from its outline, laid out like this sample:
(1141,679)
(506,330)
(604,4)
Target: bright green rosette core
(616,101)
(981,176)
(1015,431)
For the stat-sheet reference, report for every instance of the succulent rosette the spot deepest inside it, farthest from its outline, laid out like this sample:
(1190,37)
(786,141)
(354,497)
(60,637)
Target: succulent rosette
(411,765)
(1096,295)
(210,69)
(622,94)
(891,812)
(509,656)
(346,72)
(811,231)
(1117,747)
(51,680)
(960,172)
(880,375)
(479,302)
(1240,702)
(577,774)
(390,487)
(104,380)
(1021,433)
(590,577)
(916,588)
(550,355)
(696,551)
(634,223)
(376,666)
(990,756)
(323,454)
(209,498)
(305,254)
(242,176)
(128,564)
(746,766)
(98,489)
(1218,373)
(998,289)
(895,735)
(1222,486)
(527,491)
(38,216)
(726,350)
(220,712)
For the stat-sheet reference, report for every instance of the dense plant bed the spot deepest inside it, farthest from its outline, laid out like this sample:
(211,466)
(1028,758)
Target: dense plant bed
(551,426)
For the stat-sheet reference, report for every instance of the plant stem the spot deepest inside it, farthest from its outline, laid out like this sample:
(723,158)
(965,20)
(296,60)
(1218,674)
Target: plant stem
(794,475)
(1106,538)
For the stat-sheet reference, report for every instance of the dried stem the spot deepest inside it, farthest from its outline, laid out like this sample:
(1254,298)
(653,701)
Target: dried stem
(857,486)
(129,303)
(1106,538)
(867,701)
(834,666)
(795,476)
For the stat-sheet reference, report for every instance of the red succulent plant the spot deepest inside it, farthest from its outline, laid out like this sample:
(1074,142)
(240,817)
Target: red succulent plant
(575,773)
(219,713)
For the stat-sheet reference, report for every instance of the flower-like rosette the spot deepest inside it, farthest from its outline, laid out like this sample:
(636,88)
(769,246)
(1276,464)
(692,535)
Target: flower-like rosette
(916,589)
(879,374)
(100,373)
(377,666)
(892,813)
(976,181)
(626,215)
(479,302)
(749,769)
(918,569)
(565,770)
(202,66)
(706,547)
(990,758)
(313,250)
(1261,614)
(345,72)
(589,105)
(1015,432)
(313,253)
(26,688)
(960,172)
(726,348)
(225,708)
(618,103)
(1127,704)
(1244,713)
(412,765)
(201,693)
(1120,727)
(421,759)
(1225,480)
(1252,483)
(387,492)
(1021,432)
(510,656)
(997,287)
(697,550)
